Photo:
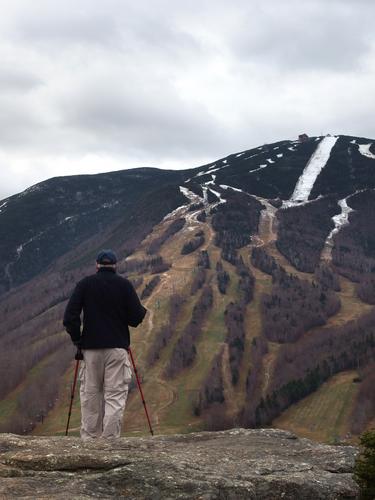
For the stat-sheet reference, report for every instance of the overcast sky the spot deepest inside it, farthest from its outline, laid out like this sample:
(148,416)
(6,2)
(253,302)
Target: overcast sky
(88,86)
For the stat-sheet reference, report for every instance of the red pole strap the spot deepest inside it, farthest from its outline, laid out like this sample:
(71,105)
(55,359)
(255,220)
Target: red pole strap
(72,396)
(140,390)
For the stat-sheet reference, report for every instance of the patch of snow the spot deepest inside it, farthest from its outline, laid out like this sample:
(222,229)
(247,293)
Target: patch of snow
(209,171)
(364,149)
(212,181)
(192,197)
(68,218)
(31,189)
(221,200)
(20,248)
(297,203)
(259,168)
(216,193)
(353,141)
(240,154)
(174,213)
(212,166)
(313,168)
(280,155)
(3,205)
(277,147)
(291,149)
(225,161)
(224,186)
(340,220)
(251,156)
(270,161)
(110,205)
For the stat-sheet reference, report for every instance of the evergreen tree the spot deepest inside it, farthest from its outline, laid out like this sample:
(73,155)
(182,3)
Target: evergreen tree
(364,470)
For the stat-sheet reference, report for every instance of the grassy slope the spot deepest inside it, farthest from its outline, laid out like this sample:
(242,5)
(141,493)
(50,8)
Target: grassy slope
(323,415)
(8,405)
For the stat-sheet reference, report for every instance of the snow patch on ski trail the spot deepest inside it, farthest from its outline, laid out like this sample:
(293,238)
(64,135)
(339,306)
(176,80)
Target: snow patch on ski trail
(340,220)
(192,197)
(364,149)
(313,168)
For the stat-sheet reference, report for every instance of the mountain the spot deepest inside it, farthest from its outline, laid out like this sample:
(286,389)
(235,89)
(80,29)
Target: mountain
(258,271)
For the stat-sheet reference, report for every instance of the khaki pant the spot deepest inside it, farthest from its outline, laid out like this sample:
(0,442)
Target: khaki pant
(105,375)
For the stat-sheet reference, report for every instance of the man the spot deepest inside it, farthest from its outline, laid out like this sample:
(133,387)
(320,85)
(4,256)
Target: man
(109,303)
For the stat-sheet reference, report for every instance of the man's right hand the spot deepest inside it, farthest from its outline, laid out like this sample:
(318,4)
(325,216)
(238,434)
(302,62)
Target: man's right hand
(79,355)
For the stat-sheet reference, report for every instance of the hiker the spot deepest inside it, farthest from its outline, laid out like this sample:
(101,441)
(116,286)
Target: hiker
(109,303)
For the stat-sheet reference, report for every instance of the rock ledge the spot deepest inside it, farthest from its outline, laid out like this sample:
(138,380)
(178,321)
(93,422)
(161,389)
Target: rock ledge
(235,464)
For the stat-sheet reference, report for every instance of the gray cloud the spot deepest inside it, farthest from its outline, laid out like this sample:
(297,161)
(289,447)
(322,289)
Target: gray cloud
(307,36)
(14,80)
(89,86)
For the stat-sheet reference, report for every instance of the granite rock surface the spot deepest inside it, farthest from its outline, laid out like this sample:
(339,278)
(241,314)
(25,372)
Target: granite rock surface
(234,464)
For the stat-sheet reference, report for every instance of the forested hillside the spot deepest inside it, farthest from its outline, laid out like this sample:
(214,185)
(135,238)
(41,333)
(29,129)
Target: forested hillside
(259,295)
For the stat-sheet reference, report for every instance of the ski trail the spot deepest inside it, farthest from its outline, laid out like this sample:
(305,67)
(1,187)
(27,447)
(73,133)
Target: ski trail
(192,197)
(340,220)
(364,149)
(259,168)
(313,168)
(8,274)
(267,231)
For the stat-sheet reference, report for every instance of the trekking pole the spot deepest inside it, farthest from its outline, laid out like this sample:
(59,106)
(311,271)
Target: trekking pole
(78,358)
(140,390)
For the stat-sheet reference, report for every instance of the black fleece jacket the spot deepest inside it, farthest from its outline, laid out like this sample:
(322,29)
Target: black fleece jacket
(109,303)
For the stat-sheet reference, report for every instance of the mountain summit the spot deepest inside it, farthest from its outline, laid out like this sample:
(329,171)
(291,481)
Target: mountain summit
(257,270)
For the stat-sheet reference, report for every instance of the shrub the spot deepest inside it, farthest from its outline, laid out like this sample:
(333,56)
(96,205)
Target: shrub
(364,470)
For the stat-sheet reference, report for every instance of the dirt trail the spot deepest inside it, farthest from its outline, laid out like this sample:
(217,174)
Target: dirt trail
(326,254)
(267,363)
(229,395)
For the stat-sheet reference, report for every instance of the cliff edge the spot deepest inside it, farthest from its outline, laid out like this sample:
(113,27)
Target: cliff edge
(235,464)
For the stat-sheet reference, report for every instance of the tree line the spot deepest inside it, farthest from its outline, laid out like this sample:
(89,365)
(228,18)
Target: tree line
(294,306)
(192,245)
(303,230)
(168,329)
(184,352)
(300,368)
(234,222)
(170,231)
